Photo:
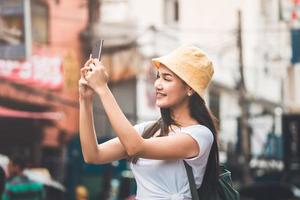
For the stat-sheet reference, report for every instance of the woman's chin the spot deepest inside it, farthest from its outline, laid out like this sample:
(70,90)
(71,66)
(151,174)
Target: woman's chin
(161,105)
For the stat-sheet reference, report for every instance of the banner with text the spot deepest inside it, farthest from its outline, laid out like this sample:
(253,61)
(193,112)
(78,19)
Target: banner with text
(38,70)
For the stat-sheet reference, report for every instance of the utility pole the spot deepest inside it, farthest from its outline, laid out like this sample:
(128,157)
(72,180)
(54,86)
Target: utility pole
(27,28)
(244,105)
(94,13)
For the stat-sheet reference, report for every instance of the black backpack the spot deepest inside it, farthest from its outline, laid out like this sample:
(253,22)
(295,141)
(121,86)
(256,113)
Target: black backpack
(225,190)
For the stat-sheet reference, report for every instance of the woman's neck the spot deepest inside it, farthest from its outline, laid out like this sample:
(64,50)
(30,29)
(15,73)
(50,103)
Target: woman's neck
(181,115)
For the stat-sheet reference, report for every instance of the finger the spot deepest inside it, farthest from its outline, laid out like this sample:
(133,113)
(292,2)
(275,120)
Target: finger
(83,71)
(84,74)
(97,63)
(92,66)
(106,74)
(82,85)
(88,76)
(88,62)
(85,68)
(90,56)
(83,82)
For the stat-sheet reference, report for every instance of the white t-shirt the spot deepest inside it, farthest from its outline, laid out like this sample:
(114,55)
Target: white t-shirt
(167,179)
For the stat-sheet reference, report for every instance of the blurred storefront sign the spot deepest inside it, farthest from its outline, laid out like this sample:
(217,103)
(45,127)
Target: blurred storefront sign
(43,71)
(267,164)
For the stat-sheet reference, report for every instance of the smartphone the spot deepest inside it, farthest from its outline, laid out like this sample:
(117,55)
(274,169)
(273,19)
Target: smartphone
(97,49)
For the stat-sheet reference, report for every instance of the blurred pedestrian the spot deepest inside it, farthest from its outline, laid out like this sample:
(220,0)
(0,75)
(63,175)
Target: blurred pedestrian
(185,131)
(2,180)
(18,186)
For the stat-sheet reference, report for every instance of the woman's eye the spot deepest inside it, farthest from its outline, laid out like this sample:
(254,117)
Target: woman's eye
(167,78)
(164,77)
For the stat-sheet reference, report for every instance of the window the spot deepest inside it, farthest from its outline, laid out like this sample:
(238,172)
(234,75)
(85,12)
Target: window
(39,12)
(12,33)
(11,23)
(171,12)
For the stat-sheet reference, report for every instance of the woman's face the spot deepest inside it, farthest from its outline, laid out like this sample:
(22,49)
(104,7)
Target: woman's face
(171,91)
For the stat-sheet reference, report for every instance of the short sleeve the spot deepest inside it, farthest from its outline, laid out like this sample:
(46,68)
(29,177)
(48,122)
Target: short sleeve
(203,136)
(141,126)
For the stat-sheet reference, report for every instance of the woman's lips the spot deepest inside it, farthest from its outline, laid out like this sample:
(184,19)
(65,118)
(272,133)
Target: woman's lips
(160,95)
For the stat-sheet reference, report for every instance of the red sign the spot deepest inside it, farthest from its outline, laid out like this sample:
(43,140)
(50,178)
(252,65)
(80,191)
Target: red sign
(38,70)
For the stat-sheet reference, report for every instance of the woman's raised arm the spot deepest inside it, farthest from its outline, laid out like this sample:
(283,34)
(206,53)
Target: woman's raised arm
(91,150)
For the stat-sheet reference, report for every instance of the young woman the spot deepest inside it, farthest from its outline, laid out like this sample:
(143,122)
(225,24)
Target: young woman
(156,150)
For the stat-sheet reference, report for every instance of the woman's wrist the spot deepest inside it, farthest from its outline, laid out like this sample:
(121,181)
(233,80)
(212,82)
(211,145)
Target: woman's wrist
(102,90)
(85,100)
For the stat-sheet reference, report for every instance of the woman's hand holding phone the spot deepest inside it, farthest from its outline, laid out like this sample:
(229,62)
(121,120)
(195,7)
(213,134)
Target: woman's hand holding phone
(94,72)
(97,78)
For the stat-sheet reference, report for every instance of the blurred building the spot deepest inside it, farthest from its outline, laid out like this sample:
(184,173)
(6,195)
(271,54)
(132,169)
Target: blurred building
(40,56)
(134,31)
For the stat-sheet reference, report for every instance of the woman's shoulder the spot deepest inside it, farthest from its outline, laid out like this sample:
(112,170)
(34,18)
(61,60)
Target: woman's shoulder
(198,129)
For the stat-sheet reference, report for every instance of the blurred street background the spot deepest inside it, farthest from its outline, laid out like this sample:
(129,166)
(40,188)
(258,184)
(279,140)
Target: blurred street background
(255,92)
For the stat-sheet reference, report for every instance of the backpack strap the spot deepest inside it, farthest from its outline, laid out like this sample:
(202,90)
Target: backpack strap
(192,183)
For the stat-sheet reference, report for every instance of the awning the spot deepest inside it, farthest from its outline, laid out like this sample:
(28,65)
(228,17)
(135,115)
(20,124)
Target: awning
(7,112)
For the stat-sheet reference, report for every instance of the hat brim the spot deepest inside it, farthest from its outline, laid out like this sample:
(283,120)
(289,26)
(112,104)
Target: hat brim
(157,62)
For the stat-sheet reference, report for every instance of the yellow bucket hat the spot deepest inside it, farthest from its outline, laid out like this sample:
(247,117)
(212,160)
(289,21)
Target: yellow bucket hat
(190,64)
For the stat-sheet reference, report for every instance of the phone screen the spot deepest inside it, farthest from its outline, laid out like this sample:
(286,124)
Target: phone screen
(97,48)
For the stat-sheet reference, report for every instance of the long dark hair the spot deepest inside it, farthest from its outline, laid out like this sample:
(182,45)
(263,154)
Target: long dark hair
(203,116)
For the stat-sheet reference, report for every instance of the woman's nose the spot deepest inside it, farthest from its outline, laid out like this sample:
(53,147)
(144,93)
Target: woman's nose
(157,84)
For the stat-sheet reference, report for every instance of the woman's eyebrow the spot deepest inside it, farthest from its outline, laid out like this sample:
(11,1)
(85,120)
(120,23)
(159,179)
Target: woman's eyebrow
(166,74)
